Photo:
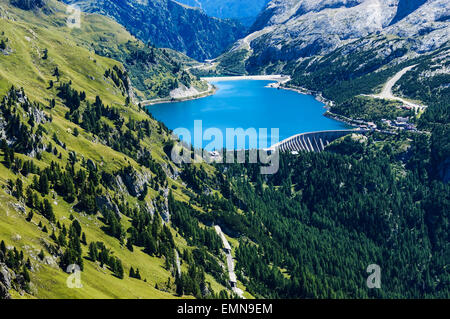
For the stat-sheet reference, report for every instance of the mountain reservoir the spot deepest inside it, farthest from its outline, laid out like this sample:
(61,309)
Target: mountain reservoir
(248,104)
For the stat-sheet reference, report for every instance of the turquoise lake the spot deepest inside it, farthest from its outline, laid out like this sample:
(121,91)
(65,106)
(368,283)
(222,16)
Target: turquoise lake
(248,104)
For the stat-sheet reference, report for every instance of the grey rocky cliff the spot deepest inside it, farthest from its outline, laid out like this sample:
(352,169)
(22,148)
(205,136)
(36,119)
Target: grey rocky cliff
(104,203)
(132,181)
(35,113)
(5,282)
(288,30)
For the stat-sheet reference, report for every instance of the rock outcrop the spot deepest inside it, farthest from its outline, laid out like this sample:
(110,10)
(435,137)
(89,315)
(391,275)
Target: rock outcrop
(104,203)
(5,282)
(13,132)
(135,182)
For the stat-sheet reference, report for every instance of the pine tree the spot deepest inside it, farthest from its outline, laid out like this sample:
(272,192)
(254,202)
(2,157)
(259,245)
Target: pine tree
(62,239)
(7,160)
(41,255)
(43,184)
(77,227)
(19,188)
(56,73)
(132,273)
(137,275)
(26,274)
(30,216)
(179,285)
(28,263)
(29,197)
(93,252)
(48,211)
(118,268)
(130,244)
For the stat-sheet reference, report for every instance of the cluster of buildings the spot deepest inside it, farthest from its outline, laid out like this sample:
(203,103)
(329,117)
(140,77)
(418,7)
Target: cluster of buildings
(400,123)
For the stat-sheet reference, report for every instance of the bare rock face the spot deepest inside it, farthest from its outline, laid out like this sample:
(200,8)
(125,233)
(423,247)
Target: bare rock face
(161,205)
(135,182)
(104,203)
(324,25)
(38,115)
(5,282)
(428,25)
(291,29)
(149,209)
(11,134)
(5,277)
(4,293)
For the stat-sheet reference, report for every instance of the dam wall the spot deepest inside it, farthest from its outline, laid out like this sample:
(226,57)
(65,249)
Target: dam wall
(312,142)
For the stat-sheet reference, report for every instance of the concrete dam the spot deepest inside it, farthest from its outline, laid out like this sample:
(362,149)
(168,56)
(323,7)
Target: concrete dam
(312,142)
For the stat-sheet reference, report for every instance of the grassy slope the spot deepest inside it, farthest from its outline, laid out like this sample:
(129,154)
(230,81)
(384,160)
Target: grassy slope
(104,36)
(25,68)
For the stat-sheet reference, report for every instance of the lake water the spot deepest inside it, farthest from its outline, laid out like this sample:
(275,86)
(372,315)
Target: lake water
(248,104)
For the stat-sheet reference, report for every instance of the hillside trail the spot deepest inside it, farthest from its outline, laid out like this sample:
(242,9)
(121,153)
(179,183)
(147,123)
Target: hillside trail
(230,262)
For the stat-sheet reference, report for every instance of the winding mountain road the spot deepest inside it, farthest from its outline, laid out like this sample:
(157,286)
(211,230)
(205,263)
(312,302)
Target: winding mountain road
(245,43)
(387,94)
(230,262)
(177,261)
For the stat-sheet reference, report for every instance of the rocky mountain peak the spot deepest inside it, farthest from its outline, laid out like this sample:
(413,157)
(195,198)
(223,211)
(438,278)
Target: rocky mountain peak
(287,30)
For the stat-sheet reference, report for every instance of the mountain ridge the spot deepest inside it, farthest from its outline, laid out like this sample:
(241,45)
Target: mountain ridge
(334,22)
(166,23)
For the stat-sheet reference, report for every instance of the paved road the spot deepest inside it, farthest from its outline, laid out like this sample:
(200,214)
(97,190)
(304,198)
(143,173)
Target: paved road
(230,261)
(177,260)
(245,43)
(387,94)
